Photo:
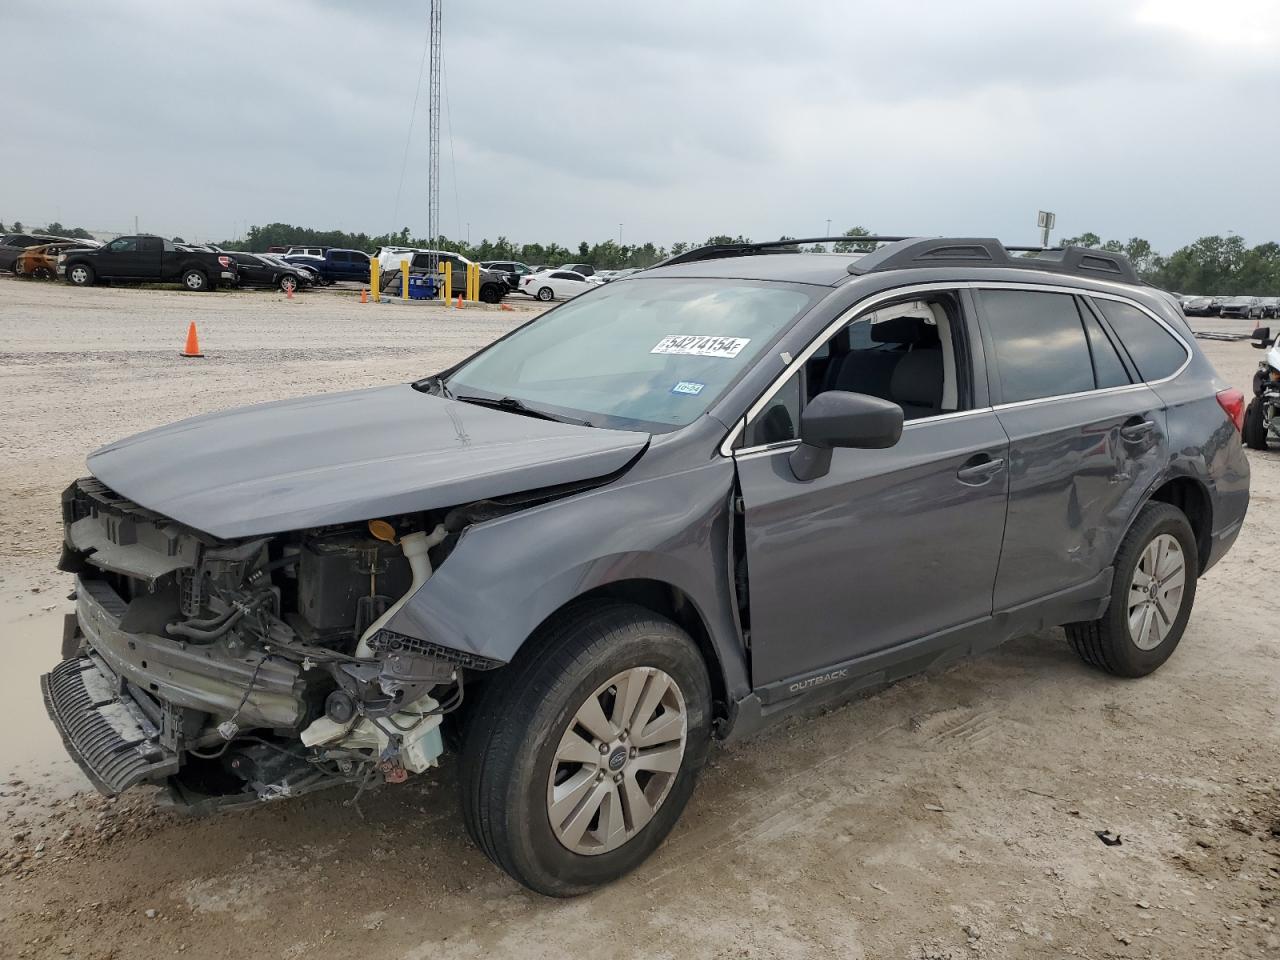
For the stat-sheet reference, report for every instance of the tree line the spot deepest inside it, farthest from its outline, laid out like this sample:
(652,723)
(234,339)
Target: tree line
(54,229)
(1211,265)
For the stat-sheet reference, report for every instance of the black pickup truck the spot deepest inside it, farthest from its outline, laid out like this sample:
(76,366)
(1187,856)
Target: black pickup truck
(147,259)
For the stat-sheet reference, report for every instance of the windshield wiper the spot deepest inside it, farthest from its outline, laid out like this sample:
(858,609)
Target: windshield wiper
(512,405)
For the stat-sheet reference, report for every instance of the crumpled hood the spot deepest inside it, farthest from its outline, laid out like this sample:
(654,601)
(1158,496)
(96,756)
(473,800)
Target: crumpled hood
(346,457)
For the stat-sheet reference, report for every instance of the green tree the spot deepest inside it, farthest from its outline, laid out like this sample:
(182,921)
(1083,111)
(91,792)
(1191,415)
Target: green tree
(852,246)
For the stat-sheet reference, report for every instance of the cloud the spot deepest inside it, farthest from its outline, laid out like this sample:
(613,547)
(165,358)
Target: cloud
(676,120)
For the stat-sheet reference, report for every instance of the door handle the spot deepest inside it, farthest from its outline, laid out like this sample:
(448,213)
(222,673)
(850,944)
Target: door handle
(1134,432)
(978,471)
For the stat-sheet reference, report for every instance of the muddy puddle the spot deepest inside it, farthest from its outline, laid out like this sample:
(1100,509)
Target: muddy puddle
(30,749)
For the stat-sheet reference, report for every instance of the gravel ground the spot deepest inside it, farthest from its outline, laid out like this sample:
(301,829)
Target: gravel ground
(949,816)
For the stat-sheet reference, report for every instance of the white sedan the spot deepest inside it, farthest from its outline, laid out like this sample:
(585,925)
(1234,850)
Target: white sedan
(556,284)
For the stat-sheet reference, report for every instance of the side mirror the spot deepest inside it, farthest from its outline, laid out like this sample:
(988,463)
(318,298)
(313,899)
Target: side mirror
(1262,338)
(838,418)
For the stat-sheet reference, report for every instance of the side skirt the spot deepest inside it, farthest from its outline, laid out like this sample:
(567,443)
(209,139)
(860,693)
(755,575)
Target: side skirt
(767,704)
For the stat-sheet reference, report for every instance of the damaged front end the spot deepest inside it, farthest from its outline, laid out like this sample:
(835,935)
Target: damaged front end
(250,669)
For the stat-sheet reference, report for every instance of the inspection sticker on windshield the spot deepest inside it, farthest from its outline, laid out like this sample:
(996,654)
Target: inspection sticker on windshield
(690,388)
(690,346)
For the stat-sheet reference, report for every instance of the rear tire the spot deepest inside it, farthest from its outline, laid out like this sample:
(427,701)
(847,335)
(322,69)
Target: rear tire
(1254,430)
(532,770)
(195,280)
(1143,624)
(545,294)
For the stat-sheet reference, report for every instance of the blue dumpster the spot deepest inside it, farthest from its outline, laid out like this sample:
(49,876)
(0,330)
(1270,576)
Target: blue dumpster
(422,287)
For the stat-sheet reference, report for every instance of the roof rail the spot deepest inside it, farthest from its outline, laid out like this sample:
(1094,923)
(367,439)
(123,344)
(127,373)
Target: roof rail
(898,253)
(717,251)
(985,252)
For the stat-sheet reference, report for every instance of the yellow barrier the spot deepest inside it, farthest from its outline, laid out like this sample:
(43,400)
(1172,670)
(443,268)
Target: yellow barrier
(375,278)
(446,271)
(473,281)
(404,279)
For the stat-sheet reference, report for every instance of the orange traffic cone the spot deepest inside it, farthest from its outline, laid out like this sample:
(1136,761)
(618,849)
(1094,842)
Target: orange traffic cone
(505,306)
(192,348)
(364,295)
(289,293)
(459,305)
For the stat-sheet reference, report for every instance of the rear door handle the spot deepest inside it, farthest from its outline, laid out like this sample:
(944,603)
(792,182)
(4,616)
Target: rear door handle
(979,470)
(1137,431)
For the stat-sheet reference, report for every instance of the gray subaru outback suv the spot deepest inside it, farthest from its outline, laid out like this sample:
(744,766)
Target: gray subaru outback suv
(677,508)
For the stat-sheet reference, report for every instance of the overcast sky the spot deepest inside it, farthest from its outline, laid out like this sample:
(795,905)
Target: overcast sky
(1156,118)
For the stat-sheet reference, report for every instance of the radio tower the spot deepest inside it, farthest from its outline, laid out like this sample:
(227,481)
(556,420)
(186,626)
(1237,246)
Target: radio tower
(433,133)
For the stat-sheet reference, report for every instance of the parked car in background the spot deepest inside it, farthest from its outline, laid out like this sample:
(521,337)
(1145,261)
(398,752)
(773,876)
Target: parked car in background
(148,259)
(41,262)
(1270,307)
(310,276)
(257,270)
(583,268)
(426,264)
(301,251)
(12,244)
(1243,307)
(556,284)
(335,264)
(513,270)
(389,257)
(1198,307)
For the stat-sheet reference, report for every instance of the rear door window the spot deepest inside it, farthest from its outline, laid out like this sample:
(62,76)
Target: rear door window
(1153,349)
(1039,344)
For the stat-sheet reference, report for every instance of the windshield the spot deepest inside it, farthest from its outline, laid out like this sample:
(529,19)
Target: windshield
(651,353)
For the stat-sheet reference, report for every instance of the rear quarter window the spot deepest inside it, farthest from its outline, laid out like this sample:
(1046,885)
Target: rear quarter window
(1154,350)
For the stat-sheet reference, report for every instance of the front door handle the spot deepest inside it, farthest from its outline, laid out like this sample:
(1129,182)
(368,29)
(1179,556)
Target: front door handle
(979,470)
(1133,432)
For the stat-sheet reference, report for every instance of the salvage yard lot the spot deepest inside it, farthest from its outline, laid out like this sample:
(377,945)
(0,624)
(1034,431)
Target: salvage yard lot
(952,815)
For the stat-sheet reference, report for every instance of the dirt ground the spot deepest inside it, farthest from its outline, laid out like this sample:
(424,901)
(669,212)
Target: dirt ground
(950,816)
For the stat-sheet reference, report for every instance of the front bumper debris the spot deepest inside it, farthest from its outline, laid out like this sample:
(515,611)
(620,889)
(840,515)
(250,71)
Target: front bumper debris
(107,735)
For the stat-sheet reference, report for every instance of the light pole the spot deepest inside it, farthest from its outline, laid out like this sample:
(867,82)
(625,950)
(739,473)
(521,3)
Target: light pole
(619,234)
(828,233)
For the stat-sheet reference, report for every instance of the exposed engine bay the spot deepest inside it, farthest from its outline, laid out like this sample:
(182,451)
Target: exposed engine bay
(251,669)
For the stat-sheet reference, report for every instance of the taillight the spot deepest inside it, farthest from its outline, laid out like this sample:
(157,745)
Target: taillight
(1232,402)
(226,262)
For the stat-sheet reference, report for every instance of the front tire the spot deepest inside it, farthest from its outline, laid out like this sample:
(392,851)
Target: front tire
(583,752)
(288,284)
(80,275)
(1254,430)
(1152,593)
(490,293)
(195,280)
(545,294)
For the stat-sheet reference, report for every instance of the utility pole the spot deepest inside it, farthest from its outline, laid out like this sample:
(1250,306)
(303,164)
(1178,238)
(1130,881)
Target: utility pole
(828,233)
(619,234)
(433,125)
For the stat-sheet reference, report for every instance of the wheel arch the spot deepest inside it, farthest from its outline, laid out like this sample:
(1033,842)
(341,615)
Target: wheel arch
(1191,497)
(665,600)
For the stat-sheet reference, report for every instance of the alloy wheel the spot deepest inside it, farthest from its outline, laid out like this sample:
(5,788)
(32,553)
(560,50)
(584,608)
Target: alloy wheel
(617,760)
(1155,593)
